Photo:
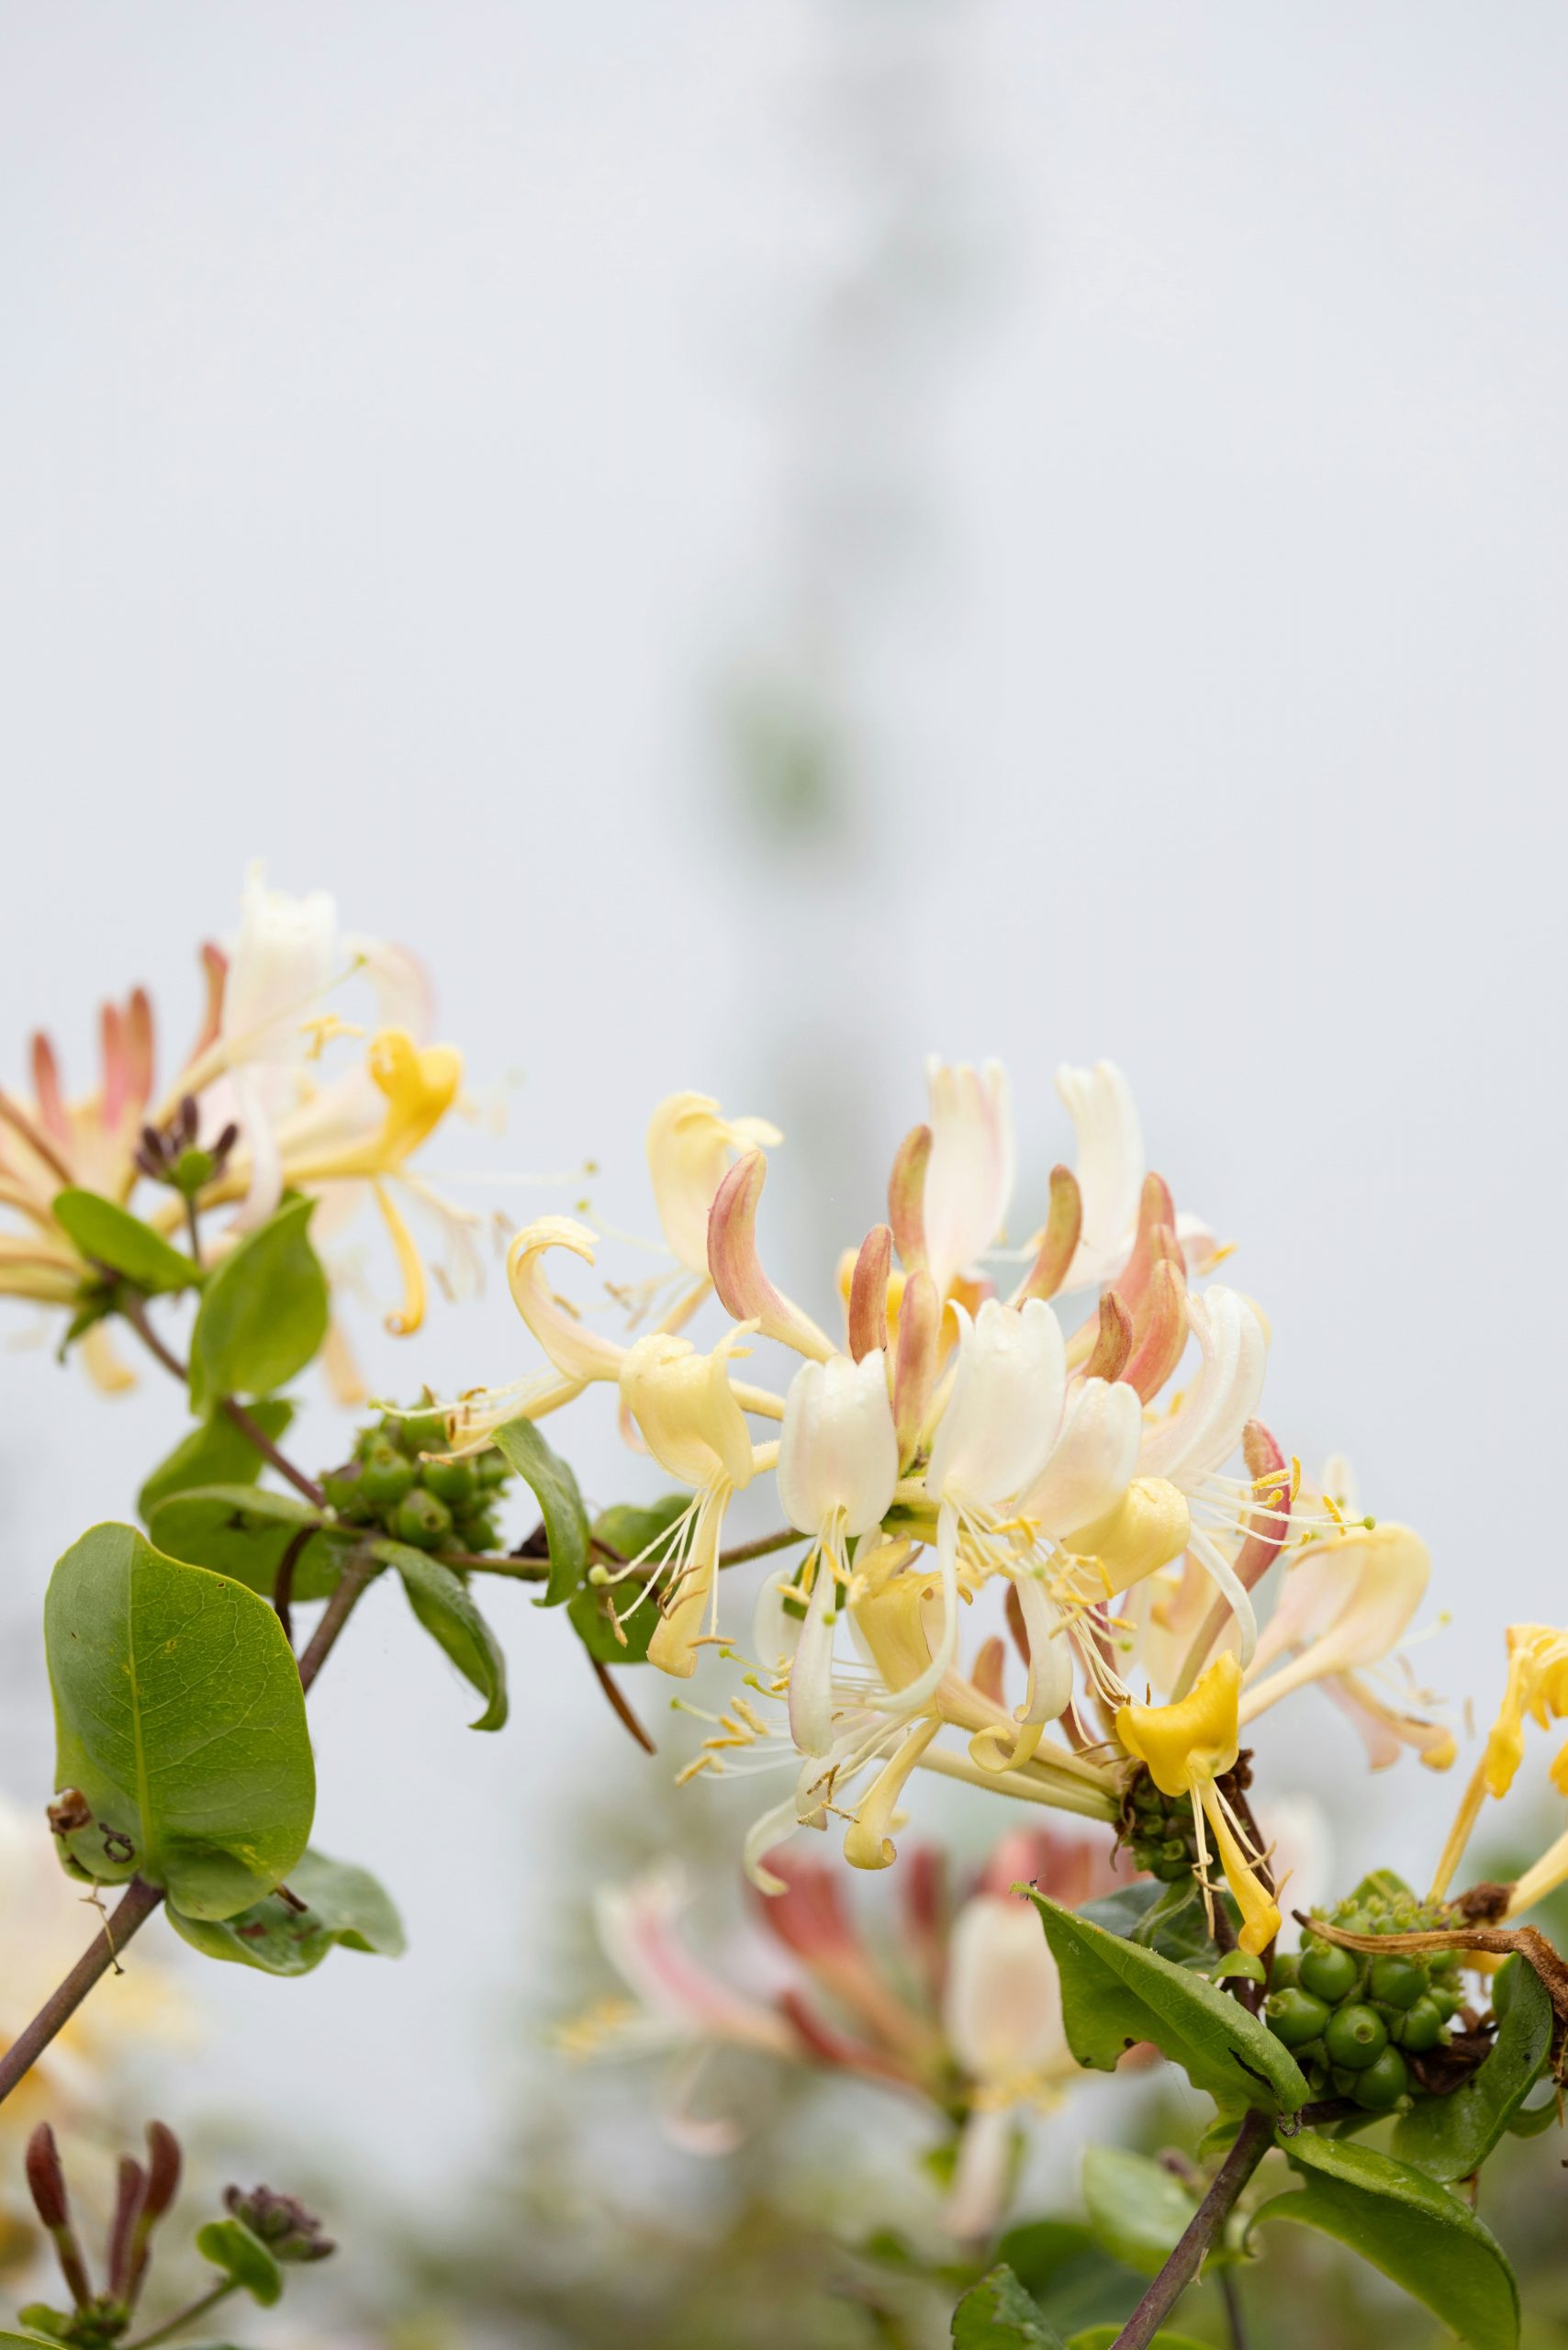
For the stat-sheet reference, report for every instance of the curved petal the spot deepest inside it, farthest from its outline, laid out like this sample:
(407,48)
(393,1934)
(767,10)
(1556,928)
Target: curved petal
(1110,1168)
(576,1350)
(969,1181)
(682,1400)
(1092,1461)
(1207,1425)
(1002,1417)
(838,1456)
(744,1290)
(285,958)
(692,1146)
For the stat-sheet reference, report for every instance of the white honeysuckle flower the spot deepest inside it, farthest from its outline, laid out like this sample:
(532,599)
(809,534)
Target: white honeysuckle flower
(838,1464)
(692,1146)
(969,1176)
(1111,1169)
(1206,1426)
(287,955)
(1346,1606)
(1091,1463)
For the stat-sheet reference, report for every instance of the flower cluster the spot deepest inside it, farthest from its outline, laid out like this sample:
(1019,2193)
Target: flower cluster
(247,1113)
(952,1440)
(955,2003)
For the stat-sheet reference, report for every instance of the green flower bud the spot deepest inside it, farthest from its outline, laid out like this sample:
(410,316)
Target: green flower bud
(1447,1999)
(1328,1972)
(1294,2017)
(452,1482)
(420,1431)
(491,1468)
(345,1491)
(1421,2027)
(1396,1982)
(1355,2036)
(422,1521)
(386,1476)
(1383,2082)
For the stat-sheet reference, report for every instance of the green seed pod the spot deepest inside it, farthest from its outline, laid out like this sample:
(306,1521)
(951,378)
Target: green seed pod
(1171,1871)
(1286,1972)
(343,1489)
(1383,2083)
(386,1476)
(1147,1798)
(452,1481)
(492,1468)
(1328,1972)
(420,1432)
(1503,1984)
(422,1520)
(1294,2017)
(1396,1982)
(1448,2000)
(1421,2027)
(1355,2036)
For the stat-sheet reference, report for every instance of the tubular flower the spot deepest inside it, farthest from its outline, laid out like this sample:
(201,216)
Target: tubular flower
(970,1175)
(953,2001)
(692,1146)
(1186,1747)
(838,1463)
(686,1409)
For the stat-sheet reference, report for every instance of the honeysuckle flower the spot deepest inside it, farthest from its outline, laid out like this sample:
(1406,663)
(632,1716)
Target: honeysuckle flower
(692,1146)
(838,1463)
(1186,1748)
(955,2003)
(687,1411)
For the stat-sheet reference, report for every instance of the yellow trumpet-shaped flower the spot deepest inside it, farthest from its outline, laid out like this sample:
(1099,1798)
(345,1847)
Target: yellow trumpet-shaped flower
(1536,1690)
(1186,1747)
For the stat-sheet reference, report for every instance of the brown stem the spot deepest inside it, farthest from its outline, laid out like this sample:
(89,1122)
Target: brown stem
(283,1581)
(1252,2142)
(135,1312)
(623,1713)
(352,1585)
(135,1907)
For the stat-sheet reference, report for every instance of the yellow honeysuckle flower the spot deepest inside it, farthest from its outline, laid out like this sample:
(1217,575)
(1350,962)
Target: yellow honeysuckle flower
(1186,1747)
(1537,1690)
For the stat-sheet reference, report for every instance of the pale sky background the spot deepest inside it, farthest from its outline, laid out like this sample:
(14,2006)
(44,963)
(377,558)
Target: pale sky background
(437,446)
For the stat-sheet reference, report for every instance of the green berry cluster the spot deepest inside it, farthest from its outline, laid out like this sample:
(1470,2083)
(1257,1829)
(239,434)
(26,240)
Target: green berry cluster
(1158,1830)
(1351,2019)
(431,1505)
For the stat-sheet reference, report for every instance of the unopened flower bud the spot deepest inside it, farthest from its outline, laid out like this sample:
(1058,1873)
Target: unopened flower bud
(47,2179)
(281,2221)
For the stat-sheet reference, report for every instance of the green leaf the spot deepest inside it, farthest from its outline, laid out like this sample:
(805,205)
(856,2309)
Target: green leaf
(998,2314)
(1415,2232)
(114,1237)
(629,1532)
(1170,1919)
(179,1717)
(243,1531)
(560,1505)
(229,2245)
(439,1600)
(1138,2210)
(1115,1994)
(216,1453)
(1448,2137)
(1103,2337)
(264,1312)
(1239,1963)
(344,1905)
(1531,2121)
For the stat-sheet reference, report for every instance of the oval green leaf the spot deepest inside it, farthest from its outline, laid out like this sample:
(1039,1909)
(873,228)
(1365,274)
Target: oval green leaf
(440,1602)
(113,1237)
(216,1453)
(179,1717)
(1414,2232)
(630,1532)
(1116,1995)
(560,1505)
(229,2245)
(243,1531)
(1138,2210)
(1448,2137)
(264,1312)
(344,1907)
(998,2314)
